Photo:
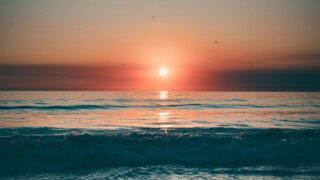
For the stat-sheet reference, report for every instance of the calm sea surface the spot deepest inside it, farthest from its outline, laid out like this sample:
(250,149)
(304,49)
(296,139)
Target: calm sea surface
(159,135)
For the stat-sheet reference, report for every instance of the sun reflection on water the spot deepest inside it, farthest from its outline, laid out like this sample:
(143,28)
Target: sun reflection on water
(163,120)
(163,95)
(164,116)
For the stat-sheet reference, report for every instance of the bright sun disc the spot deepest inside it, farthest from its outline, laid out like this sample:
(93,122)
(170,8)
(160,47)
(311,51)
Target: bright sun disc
(163,72)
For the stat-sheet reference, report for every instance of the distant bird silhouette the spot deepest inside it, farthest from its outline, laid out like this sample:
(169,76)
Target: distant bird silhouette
(153,17)
(123,64)
(215,42)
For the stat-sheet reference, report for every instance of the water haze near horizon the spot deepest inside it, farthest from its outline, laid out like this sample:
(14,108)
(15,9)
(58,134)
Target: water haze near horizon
(159,135)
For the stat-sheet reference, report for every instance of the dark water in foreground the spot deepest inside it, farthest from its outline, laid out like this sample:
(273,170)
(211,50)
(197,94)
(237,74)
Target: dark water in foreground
(159,135)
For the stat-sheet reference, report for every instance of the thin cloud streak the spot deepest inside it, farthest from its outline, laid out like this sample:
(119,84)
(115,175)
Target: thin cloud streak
(69,77)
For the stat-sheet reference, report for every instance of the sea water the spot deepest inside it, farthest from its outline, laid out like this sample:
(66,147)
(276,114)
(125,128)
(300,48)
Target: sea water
(159,135)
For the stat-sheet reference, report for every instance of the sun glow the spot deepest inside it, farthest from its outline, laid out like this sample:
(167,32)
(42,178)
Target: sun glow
(163,72)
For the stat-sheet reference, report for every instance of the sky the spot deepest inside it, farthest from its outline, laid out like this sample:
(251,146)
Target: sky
(266,45)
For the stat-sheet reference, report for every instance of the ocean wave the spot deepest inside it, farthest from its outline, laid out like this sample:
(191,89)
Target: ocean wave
(151,106)
(33,150)
(182,172)
(60,107)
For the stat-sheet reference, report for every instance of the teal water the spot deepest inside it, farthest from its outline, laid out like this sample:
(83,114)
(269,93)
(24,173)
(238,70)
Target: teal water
(159,135)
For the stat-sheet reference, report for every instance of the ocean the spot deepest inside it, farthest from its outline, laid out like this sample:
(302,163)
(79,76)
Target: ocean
(159,135)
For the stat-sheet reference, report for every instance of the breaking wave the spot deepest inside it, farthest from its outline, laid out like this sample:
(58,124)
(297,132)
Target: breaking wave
(44,149)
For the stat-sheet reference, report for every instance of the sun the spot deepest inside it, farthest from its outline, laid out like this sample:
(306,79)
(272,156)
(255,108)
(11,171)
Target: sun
(163,72)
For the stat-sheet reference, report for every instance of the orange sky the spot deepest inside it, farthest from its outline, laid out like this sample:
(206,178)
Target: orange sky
(133,39)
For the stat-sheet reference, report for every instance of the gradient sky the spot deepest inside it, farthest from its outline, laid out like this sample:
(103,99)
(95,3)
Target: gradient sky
(121,44)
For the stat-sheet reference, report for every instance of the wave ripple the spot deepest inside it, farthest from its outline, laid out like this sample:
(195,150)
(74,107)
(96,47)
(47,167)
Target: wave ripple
(34,150)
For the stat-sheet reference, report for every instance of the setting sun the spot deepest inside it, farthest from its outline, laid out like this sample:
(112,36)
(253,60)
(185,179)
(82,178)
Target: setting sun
(163,72)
